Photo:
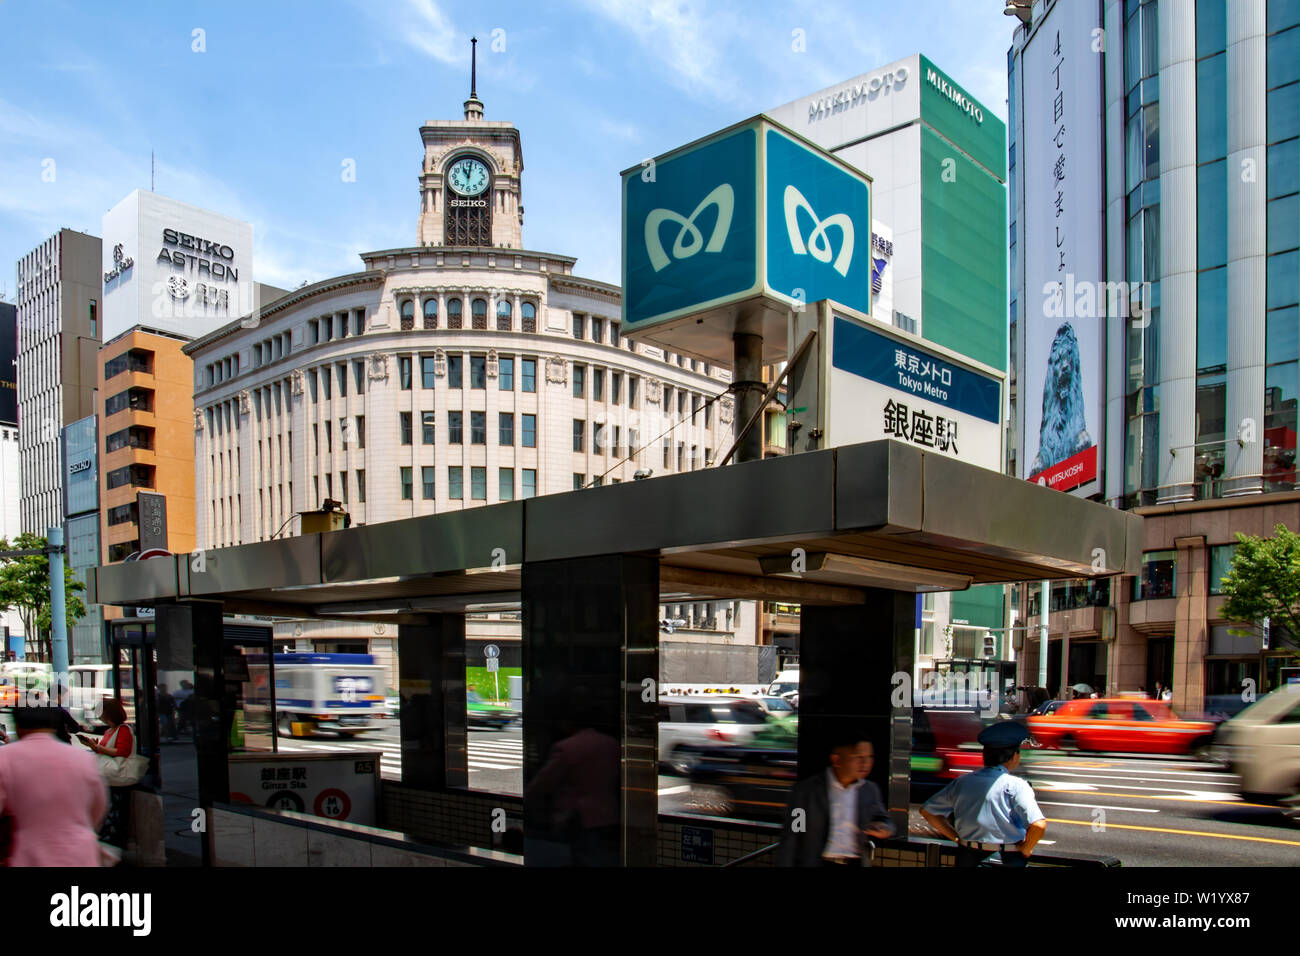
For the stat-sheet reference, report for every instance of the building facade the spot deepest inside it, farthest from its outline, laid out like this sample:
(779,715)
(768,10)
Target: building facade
(146,410)
(174,267)
(59,295)
(1194,312)
(10,490)
(443,375)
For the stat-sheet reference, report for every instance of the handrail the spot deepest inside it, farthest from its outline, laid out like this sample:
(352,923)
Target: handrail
(751,856)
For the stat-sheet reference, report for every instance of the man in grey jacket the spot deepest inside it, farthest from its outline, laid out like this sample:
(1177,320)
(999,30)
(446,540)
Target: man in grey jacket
(831,815)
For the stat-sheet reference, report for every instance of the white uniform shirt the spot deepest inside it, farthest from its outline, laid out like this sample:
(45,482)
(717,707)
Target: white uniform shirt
(844,837)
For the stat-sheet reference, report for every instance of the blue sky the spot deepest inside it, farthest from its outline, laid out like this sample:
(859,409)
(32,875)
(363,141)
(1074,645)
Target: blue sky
(259,124)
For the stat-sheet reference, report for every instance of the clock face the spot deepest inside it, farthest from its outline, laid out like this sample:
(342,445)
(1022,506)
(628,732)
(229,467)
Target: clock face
(468,177)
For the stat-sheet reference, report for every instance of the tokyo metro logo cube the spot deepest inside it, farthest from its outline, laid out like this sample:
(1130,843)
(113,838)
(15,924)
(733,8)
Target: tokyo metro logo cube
(752,220)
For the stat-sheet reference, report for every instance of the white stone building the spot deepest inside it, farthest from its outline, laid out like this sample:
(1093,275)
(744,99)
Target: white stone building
(444,375)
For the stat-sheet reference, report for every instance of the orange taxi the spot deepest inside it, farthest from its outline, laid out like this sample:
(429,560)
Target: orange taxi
(1121,725)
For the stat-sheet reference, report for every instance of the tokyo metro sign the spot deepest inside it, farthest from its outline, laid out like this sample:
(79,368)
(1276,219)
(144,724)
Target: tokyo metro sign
(753,221)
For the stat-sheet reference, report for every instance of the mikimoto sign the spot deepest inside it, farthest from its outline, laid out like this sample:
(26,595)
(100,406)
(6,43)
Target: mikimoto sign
(755,221)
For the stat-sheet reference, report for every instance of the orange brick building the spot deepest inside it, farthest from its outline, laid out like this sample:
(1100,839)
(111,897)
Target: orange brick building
(146,426)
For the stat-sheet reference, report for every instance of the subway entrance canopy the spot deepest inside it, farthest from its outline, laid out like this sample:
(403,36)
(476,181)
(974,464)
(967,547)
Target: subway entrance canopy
(875,523)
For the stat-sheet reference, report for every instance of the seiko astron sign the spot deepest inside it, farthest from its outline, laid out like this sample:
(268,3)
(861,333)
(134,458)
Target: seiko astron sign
(175,267)
(751,221)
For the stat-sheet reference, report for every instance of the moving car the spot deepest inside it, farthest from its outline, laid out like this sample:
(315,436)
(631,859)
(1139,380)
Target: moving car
(1262,746)
(1122,725)
(751,780)
(686,723)
(482,713)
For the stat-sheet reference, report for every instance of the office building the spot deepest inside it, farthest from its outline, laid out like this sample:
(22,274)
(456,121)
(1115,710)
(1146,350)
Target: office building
(147,455)
(1155,255)
(58,334)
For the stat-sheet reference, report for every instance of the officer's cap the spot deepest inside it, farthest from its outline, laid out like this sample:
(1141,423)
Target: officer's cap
(1005,733)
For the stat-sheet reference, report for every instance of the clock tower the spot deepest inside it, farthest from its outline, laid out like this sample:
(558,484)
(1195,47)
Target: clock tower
(470,183)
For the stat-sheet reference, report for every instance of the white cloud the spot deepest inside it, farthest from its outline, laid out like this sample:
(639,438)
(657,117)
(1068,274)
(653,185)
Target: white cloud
(687,43)
(423,25)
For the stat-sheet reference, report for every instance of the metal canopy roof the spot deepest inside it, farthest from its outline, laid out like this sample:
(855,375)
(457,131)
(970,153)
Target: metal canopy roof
(880,514)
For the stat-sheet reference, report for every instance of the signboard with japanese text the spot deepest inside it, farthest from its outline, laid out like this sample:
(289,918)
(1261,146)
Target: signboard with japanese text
(1066,297)
(337,786)
(741,228)
(885,383)
(697,845)
(152,508)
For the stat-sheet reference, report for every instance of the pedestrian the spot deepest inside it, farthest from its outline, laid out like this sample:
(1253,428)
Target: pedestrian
(52,793)
(992,809)
(118,741)
(1167,694)
(185,707)
(166,712)
(832,815)
(581,781)
(1159,691)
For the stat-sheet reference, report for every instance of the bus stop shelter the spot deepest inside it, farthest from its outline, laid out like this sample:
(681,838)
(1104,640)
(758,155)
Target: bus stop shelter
(850,534)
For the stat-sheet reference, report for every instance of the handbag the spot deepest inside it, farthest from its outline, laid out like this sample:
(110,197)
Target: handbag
(122,771)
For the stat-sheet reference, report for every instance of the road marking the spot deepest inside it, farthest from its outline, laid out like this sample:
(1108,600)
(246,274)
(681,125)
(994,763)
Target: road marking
(1095,806)
(1108,779)
(671,790)
(1200,833)
(1128,771)
(1197,795)
(1091,791)
(484,765)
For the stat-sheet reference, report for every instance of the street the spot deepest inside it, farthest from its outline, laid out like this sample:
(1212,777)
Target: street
(1146,811)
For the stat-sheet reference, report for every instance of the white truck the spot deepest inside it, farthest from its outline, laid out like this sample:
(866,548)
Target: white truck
(340,693)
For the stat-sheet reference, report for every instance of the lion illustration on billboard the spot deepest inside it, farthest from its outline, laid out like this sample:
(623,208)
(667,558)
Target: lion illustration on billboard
(1064,430)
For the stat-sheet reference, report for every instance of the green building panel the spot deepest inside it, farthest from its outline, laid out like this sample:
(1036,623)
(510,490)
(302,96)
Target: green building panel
(962,120)
(963,253)
(980,606)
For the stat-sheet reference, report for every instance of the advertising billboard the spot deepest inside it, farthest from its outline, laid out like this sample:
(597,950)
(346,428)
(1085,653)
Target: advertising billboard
(1062,408)
(80,467)
(175,267)
(752,221)
(8,363)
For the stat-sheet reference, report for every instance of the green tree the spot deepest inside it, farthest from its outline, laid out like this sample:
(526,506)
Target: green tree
(1264,581)
(25,588)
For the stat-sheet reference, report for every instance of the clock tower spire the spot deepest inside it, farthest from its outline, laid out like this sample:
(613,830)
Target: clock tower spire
(471,178)
(473,106)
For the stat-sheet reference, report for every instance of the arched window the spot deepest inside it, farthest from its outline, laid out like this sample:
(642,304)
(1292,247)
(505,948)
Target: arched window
(505,316)
(528,312)
(430,313)
(479,308)
(408,315)
(453,313)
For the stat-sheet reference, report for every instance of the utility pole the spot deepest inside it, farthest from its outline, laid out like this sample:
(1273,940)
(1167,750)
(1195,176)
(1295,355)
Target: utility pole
(58,611)
(1044,603)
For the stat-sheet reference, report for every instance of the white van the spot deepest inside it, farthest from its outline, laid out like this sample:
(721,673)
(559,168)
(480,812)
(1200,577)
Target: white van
(1262,745)
(787,682)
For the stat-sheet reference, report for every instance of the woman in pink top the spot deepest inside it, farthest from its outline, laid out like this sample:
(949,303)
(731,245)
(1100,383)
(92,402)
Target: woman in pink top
(53,792)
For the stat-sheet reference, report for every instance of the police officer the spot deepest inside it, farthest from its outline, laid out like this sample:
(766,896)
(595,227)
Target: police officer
(993,810)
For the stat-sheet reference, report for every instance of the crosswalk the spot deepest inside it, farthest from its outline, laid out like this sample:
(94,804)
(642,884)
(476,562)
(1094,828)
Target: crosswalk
(486,751)
(495,753)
